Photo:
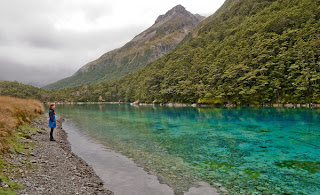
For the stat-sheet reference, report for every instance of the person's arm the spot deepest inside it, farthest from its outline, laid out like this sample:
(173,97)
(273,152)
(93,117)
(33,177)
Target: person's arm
(51,115)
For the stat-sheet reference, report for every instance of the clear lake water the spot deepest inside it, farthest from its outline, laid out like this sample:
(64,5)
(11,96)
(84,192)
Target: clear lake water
(246,150)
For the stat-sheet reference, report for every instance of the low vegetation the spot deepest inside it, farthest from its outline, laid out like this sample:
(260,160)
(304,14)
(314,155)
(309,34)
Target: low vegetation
(13,113)
(15,116)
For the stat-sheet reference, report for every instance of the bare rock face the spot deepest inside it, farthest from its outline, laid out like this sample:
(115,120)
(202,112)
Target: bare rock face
(163,36)
(177,11)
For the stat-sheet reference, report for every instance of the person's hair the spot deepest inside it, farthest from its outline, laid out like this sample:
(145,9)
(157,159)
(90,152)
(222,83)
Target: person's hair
(51,105)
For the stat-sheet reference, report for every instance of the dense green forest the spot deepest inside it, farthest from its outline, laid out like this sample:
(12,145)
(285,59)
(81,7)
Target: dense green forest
(16,89)
(256,52)
(253,52)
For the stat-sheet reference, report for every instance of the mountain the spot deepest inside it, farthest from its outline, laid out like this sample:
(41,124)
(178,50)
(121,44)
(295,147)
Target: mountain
(254,52)
(249,52)
(163,36)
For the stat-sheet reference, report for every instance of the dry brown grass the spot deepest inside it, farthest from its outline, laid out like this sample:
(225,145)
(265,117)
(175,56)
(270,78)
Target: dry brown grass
(15,112)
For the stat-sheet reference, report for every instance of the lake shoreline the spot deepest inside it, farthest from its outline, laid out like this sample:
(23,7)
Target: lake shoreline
(52,167)
(309,106)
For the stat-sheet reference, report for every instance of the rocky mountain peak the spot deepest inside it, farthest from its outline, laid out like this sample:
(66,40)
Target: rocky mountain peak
(176,18)
(179,9)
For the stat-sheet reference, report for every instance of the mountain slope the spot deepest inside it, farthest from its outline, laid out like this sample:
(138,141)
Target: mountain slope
(257,52)
(163,36)
(253,52)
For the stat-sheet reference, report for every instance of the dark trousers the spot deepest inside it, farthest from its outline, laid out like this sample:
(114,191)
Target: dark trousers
(51,133)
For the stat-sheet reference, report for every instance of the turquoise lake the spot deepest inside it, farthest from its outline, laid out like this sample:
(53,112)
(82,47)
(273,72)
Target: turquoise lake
(246,150)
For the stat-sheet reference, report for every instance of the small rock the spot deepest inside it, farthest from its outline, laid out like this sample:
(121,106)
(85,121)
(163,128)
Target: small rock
(90,185)
(217,184)
(94,185)
(224,190)
(21,153)
(39,189)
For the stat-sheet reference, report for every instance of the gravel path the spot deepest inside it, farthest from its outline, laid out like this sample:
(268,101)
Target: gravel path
(51,167)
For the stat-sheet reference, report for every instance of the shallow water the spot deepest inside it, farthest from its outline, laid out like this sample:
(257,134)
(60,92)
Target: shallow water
(119,173)
(247,150)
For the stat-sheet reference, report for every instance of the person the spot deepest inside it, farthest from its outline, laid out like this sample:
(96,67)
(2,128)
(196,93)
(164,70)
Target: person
(52,120)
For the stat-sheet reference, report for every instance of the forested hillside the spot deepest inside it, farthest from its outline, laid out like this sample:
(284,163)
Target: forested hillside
(254,52)
(16,89)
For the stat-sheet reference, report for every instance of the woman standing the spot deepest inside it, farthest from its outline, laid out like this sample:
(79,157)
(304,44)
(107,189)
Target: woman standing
(52,120)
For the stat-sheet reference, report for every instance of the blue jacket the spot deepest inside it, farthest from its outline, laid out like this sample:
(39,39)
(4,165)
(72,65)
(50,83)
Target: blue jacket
(52,118)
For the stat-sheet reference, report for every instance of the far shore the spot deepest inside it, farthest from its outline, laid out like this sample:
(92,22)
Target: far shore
(309,105)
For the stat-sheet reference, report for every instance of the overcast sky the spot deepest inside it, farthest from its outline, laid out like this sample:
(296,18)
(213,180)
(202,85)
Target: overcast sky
(42,41)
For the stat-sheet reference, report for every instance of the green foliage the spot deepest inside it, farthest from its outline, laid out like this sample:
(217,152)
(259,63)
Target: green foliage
(212,100)
(15,89)
(16,144)
(187,38)
(12,186)
(255,52)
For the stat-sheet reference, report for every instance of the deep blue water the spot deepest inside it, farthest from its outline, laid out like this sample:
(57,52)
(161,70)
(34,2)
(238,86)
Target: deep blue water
(247,150)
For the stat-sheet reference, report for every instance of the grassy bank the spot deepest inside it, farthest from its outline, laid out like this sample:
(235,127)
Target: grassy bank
(13,113)
(15,116)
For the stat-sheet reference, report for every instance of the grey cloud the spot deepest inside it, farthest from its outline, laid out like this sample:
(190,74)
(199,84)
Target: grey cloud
(38,76)
(42,41)
(32,50)
(71,51)
(94,12)
(2,38)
